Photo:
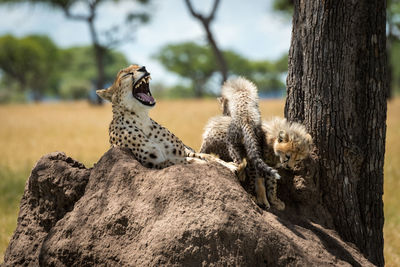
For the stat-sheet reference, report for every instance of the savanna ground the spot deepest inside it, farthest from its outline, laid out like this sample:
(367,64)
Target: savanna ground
(29,131)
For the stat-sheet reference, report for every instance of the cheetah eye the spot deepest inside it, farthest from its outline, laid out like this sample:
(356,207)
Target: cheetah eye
(126,74)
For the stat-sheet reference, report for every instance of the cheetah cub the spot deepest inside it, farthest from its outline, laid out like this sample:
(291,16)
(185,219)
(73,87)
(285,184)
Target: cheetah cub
(289,141)
(244,137)
(152,144)
(286,144)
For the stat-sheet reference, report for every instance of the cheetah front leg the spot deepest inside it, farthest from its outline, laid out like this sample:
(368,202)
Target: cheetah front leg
(237,168)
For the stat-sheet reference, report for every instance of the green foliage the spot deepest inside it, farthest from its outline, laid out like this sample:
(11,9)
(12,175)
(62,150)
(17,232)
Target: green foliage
(78,70)
(35,64)
(267,75)
(197,64)
(30,62)
(285,7)
(190,61)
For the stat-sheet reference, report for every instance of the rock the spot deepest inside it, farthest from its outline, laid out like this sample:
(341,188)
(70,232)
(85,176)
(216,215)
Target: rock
(120,213)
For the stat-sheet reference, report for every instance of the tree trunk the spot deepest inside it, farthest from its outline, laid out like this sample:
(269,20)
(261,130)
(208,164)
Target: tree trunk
(198,87)
(99,54)
(99,58)
(337,87)
(206,21)
(221,62)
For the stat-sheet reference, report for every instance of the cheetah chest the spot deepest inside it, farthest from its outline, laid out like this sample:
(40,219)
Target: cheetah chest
(149,141)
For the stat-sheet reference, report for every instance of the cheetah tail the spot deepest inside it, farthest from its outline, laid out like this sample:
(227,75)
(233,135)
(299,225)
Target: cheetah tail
(254,153)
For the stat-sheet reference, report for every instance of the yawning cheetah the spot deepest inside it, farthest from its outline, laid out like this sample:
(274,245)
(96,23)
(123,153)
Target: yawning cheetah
(152,144)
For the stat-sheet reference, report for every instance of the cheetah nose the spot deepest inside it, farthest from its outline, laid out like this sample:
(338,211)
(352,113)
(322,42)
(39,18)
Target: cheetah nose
(142,69)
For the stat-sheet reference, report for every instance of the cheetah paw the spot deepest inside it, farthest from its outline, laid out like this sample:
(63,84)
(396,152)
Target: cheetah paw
(241,170)
(275,174)
(263,203)
(278,204)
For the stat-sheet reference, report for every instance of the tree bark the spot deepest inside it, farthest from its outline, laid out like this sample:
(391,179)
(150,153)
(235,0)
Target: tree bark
(337,87)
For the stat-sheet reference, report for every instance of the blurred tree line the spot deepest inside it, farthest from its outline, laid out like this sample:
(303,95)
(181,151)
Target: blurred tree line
(34,65)
(198,65)
(102,40)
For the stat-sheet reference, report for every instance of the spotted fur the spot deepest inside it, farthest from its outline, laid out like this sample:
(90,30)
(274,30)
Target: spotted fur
(283,141)
(244,135)
(153,145)
(290,141)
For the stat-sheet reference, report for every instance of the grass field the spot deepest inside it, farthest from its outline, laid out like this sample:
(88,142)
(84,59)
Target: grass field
(29,131)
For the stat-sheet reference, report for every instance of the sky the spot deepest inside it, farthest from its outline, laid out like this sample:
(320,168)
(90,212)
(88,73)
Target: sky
(248,27)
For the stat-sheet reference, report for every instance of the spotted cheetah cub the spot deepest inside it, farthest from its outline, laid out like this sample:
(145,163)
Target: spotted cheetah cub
(286,144)
(244,137)
(152,144)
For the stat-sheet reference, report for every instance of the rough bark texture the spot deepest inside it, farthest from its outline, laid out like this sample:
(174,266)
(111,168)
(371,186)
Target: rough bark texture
(337,87)
(122,214)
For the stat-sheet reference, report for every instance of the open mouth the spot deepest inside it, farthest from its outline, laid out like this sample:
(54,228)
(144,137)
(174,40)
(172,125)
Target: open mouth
(141,91)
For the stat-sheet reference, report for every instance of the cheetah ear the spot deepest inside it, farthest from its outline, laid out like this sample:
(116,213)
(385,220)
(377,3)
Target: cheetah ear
(309,140)
(282,136)
(106,94)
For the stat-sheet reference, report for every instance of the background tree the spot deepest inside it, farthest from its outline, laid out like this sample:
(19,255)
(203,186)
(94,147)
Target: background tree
(285,7)
(113,35)
(206,23)
(196,63)
(29,63)
(77,69)
(190,61)
(337,87)
(35,65)
(268,75)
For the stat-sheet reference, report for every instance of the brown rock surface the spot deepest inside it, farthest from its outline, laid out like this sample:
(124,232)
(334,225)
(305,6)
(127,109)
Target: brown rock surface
(120,213)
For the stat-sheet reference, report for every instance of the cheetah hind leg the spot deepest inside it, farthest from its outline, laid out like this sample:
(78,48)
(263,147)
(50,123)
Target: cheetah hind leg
(272,196)
(261,199)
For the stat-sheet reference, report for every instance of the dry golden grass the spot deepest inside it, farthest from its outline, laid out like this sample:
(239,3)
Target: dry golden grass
(391,197)
(29,131)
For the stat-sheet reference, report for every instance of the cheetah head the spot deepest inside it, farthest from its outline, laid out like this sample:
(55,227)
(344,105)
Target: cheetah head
(292,148)
(130,90)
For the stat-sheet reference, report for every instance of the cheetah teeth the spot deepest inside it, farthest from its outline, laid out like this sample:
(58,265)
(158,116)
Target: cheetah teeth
(144,80)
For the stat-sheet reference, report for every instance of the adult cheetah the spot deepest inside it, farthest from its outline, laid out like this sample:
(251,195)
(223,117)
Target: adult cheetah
(153,145)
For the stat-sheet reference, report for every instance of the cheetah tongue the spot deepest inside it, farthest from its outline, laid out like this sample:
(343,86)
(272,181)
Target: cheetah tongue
(146,98)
